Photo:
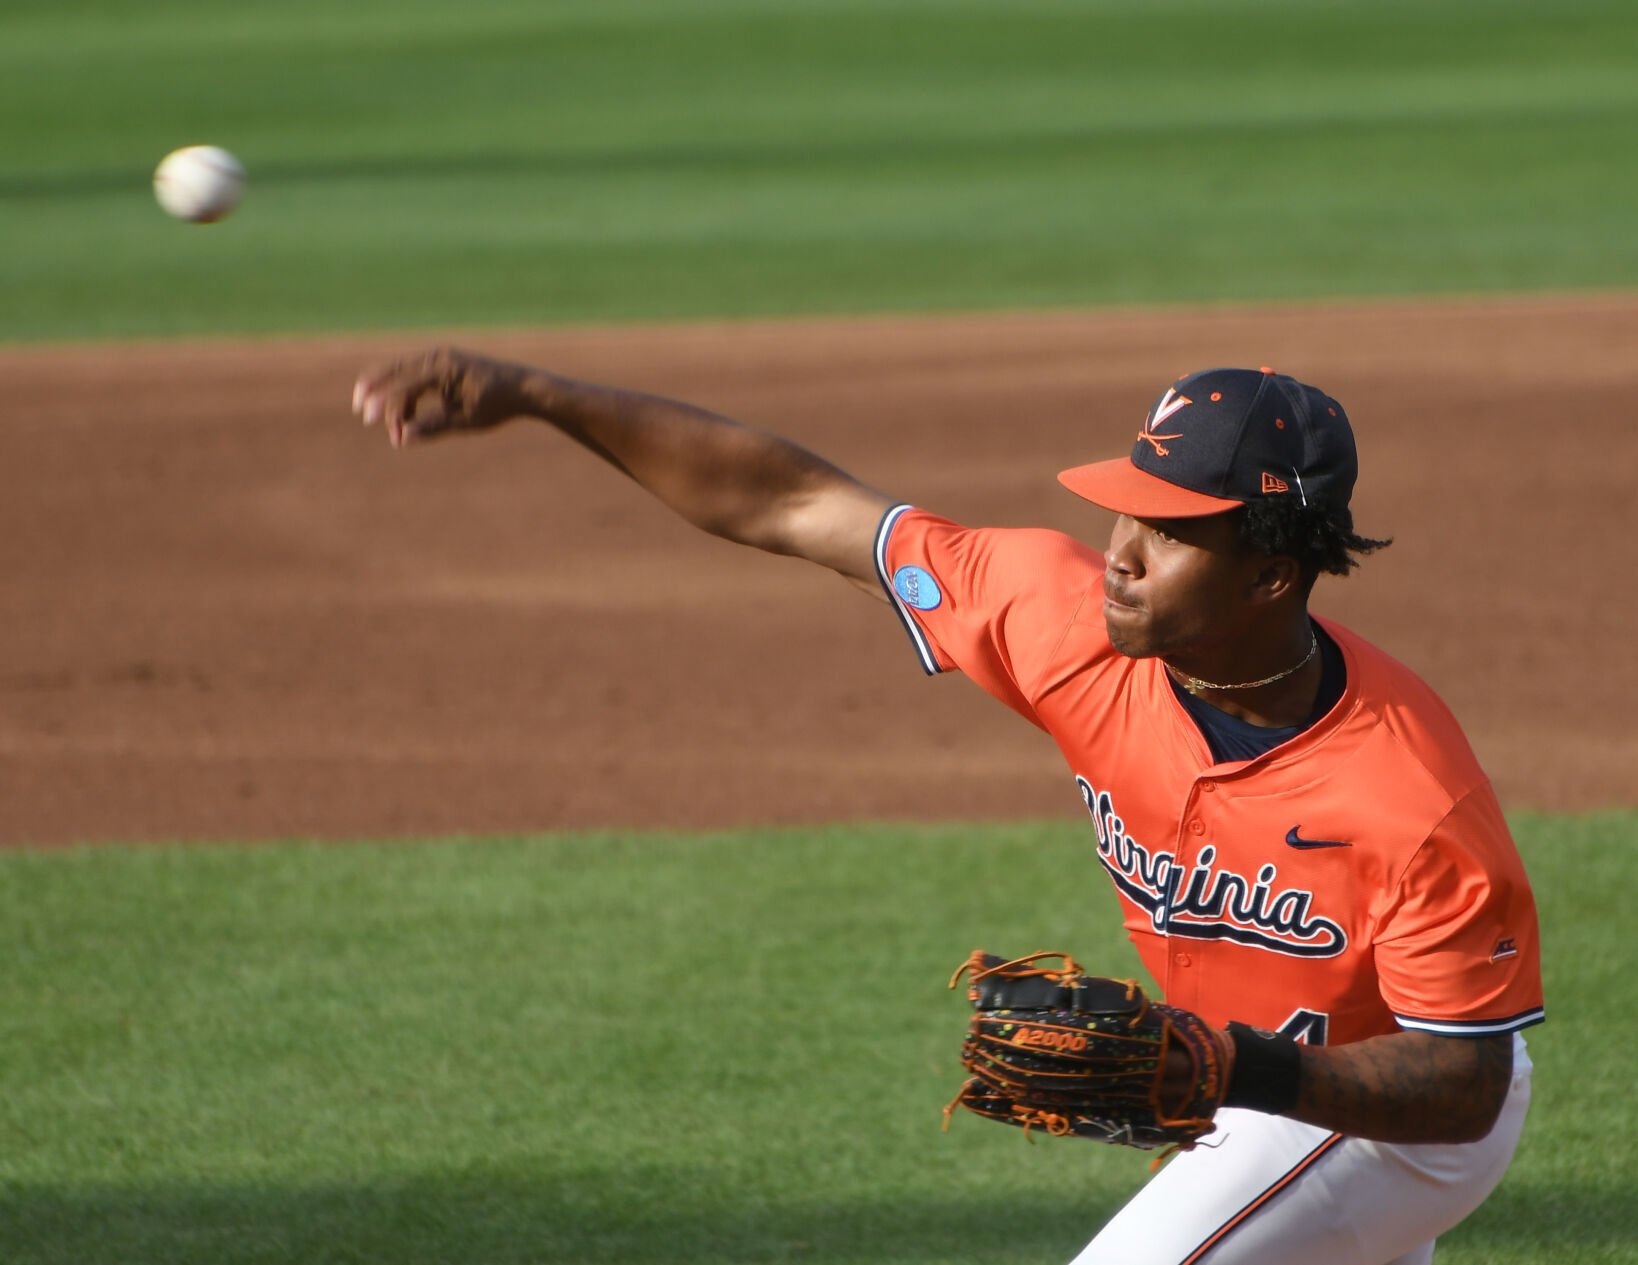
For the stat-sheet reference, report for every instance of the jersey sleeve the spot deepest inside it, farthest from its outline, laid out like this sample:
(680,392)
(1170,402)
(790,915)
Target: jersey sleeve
(989,602)
(1458,952)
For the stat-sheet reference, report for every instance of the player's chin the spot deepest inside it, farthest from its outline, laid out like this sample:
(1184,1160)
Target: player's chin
(1128,630)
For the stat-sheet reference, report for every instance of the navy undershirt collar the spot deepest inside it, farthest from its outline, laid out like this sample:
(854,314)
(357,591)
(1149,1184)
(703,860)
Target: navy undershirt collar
(1231,738)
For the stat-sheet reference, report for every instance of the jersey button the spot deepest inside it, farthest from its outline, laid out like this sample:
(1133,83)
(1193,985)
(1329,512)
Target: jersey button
(1197,827)
(1208,787)
(1183,959)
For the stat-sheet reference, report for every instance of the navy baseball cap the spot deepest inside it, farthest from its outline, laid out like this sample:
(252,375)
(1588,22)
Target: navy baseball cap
(1217,439)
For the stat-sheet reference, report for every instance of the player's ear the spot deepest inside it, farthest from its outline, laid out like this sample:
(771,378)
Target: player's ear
(1276,578)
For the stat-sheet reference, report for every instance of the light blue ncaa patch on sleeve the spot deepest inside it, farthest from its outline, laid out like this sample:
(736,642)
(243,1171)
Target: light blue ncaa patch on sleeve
(918,589)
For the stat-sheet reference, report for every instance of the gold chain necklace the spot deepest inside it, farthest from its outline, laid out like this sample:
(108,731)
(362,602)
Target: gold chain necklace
(1194,684)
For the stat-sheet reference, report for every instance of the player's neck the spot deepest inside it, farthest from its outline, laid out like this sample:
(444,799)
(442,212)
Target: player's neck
(1273,686)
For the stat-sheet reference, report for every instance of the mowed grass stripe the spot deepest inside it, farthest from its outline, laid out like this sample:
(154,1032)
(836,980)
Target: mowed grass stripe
(604,1048)
(554,163)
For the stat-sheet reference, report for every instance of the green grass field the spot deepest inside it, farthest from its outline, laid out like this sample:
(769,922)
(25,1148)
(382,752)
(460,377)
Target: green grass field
(609,1048)
(518,162)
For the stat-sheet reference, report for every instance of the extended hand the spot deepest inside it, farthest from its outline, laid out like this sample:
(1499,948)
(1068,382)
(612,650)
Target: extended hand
(437,392)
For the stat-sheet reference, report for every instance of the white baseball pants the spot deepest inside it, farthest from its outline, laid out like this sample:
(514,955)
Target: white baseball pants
(1264,1190)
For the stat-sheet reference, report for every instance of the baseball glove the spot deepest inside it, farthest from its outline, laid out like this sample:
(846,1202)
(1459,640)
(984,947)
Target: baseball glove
(1069,1053)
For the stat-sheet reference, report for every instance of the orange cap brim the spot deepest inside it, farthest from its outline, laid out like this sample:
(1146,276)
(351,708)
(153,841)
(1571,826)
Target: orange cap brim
(1120,486)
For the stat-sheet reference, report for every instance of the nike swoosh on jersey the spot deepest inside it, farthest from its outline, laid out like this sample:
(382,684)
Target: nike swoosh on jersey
(1293,839)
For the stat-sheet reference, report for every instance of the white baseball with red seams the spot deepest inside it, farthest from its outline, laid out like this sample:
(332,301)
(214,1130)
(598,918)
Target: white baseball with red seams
(199,183)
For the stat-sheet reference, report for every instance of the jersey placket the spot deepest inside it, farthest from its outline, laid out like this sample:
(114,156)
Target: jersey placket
(1185,956)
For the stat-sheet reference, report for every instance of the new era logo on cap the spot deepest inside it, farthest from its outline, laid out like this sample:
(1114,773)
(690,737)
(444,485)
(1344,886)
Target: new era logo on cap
(1217,439)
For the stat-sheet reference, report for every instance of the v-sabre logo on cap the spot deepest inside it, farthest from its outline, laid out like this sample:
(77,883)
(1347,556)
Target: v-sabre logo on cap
(1164,408)
(1217,439)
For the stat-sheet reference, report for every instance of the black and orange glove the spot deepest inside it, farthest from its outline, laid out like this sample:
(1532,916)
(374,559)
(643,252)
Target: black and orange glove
(1055,1049)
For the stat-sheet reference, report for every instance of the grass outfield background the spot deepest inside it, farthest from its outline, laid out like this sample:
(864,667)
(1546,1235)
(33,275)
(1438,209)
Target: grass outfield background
(516,162)
(612,1048)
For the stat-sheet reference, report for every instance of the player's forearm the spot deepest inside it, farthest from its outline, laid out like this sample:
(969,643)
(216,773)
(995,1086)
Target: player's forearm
(725,477)
(1408,1087)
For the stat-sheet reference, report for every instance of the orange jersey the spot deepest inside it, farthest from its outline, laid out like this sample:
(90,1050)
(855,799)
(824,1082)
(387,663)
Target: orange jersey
(1356,879)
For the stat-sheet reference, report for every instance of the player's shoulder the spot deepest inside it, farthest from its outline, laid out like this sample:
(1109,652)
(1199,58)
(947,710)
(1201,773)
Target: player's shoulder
(990,567)
(1038,548)
(1417,729)
(1014,578)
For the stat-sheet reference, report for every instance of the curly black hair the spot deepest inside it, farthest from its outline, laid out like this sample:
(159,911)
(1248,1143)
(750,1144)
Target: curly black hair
(1319,536)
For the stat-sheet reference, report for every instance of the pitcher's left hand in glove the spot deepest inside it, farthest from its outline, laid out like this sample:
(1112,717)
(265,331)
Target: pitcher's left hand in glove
(1055,1049)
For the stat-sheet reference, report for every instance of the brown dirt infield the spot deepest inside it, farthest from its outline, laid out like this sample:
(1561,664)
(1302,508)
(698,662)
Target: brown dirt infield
(229,612)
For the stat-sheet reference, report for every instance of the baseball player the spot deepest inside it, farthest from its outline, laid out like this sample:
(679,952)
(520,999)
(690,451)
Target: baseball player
(1303,844)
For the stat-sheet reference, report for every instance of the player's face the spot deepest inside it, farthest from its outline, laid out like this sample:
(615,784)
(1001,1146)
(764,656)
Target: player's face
(1178,587)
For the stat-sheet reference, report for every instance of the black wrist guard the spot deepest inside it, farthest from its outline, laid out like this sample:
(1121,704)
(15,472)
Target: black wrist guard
(1267,1070)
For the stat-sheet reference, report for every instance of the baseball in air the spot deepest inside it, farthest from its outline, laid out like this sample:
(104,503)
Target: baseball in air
(200,183)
